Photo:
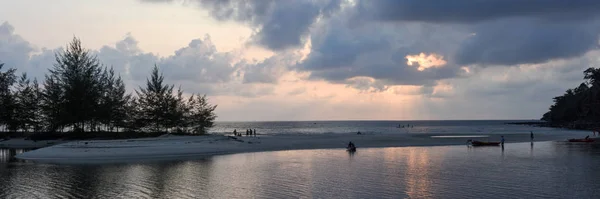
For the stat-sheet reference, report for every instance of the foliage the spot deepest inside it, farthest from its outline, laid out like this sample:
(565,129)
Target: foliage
(158,108)
(579,104)
(7,101)
(89,100)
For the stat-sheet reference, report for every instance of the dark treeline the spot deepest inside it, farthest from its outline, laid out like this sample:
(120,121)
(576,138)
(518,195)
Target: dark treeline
(578,108)
(82,96)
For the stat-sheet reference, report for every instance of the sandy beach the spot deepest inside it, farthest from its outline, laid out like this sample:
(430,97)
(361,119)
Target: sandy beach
(194,147)
(22,143)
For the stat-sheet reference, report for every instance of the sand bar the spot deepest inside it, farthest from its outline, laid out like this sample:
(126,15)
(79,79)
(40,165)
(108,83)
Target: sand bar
(196,147)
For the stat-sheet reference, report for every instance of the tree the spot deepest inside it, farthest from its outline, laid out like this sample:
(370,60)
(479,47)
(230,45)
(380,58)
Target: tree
(154,102)
(577,105)
(27,104)
(79,75)
(7,101)
(201,114)
(112,111)
(35,104)
(52,104)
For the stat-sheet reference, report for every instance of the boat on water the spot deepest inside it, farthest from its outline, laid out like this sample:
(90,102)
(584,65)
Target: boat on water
(480,143)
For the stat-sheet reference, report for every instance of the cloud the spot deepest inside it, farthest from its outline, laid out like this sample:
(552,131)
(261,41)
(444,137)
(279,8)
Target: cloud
(278,25)
(197,67)
(269,70)
(521,91)
(366,84)
(527,41)
(472,11)
(504,32)
(297,91)
(16,52)
(423,62)
(341,52)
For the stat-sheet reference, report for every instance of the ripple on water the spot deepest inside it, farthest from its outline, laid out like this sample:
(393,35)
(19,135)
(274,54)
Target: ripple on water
(543,170)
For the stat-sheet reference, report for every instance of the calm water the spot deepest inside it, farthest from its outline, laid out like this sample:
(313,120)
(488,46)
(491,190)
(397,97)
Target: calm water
(316,127)
(544,170)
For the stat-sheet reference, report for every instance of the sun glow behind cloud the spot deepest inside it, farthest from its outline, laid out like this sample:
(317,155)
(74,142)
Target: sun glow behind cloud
(425,61)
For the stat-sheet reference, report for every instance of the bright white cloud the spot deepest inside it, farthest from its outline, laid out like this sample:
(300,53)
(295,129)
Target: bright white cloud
(423,61)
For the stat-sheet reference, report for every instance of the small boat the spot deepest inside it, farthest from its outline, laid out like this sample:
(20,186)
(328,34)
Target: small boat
(581,140)
(480,143)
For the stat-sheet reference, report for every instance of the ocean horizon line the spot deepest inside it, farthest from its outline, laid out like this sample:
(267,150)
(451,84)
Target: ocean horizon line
(374,120)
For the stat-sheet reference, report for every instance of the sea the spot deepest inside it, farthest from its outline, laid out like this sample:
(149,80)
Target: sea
(379,127)
(549,169)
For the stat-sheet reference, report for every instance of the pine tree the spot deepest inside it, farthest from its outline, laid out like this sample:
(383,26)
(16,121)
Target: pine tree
(7,101)
(80,76)
(28,104)
(35,105)
(52,104)
(154,102)
(201,114)
(176,110)
(113,111)
(25,103)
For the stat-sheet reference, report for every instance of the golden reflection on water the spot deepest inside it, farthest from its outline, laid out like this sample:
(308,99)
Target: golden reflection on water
(420,165)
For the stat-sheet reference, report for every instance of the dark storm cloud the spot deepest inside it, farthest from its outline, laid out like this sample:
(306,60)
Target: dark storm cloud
(508,32)
(468,11)
(340,52)
(278,24)
(527,41)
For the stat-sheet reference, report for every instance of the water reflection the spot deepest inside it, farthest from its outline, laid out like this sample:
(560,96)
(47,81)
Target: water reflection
(8,155)
(418,171)
(555,170)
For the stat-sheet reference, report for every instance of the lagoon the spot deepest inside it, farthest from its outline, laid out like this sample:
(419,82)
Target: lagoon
(521,170)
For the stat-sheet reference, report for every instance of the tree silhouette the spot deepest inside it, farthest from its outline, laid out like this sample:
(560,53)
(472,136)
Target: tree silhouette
(27,116)
(154,102)
(7,101)
(81,95)
(79,75)
(577,106)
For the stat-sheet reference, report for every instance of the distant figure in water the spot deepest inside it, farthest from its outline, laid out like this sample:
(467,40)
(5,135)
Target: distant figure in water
(358,133)
(502,140)
(531,135)
(254,132)
(234,132)
(587,137)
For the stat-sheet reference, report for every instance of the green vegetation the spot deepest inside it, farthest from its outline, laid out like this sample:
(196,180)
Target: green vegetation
(578,108)
(82,98)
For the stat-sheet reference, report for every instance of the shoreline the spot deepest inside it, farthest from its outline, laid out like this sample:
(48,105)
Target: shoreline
(174,148)
(22,143)
(580,126)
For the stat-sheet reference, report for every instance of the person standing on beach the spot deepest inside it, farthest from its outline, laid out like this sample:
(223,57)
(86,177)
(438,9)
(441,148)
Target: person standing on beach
(502,140)
(531,135)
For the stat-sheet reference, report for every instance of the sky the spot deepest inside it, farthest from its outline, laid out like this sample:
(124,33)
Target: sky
(272,60)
